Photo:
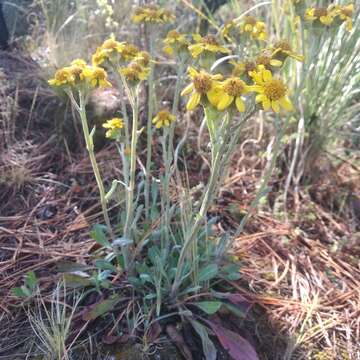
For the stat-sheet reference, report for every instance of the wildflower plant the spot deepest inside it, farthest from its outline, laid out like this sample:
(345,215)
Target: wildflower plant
(163,247)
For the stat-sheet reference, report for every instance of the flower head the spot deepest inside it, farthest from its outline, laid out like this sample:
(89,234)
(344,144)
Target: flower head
(113,125)
(229,30)
(142,58)
(206,44)
(256,29)
(134,72)
(345,14)
(63,77)
(112,50)
(152,14)
(201,85)
(163,119)
(321,14)
(226,92)
(265,59)
(175,42)
(282,49)
(272,91)
(95,76)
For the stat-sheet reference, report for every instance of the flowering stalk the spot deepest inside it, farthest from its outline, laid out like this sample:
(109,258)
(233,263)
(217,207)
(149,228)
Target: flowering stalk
(212,187)
(81,108)
(134,100)
(149,130)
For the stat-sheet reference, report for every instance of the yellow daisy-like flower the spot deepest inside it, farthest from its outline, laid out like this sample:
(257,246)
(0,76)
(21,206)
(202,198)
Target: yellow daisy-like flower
(228,30)
(152,14)
(282,49)
(345,13)
(267,61)
(142,58)
(175,42)
(272,91)
(242,67)
(79,62)
(253,27)
(63,77)
(113,125)
(134,72)
(321,14)
(201,85)
(111,49)
(163,119)
(223,94)
(206,43)
(96,76)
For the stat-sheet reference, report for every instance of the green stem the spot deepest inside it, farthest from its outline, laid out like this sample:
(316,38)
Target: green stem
(211,190)
(131,186)
(90,148)
(149,131)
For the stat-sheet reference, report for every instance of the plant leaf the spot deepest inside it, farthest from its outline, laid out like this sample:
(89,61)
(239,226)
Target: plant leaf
(100,308)
(99,235)
(20,292)
(208,346)
(237,347)
(31,280)
(76,281)
(208,272)
(209,307)
(104,265)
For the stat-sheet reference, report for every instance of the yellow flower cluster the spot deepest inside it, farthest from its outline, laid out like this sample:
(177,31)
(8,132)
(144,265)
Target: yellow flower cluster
(79,73)
(327,16)
(113,51)
(152,14)
(163,119)
(255,28)
(114,126)
(134,62)
(211,89)
(206,44)
(175,43)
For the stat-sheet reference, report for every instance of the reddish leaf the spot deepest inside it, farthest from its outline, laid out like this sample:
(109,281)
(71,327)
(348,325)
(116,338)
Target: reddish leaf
(112,339)
(237,347)
(100,308)
(179,341)
(154,332)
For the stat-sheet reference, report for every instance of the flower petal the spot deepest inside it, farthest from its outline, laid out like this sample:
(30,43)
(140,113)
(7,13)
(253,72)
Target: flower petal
(275,105)
(187,90)
(266,103)
(194,101)
(286,104)
(240,105)
(224,101)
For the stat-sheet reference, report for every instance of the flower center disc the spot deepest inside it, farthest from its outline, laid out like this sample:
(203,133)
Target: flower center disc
(209,39)
(250,20)
(318,12)
(275,89)
(234,87)
(202,83)
(283,45)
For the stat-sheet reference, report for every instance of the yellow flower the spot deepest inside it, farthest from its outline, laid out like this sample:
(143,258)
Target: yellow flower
(202,83)
(227,30)
(242,67)
(206,43)
(134,72)
(254,28)
(152,14)
(142,58)
(272,91)
(79,62)
(63,77)
(175,42)
(321,14)
(163,119)
(112,48)
(282,49)
(224,94)
(267,61)
(345,13)
(113,125)
(96,76)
